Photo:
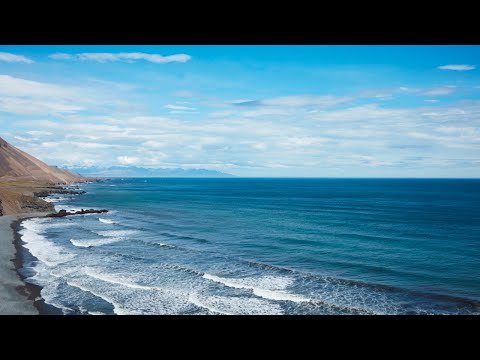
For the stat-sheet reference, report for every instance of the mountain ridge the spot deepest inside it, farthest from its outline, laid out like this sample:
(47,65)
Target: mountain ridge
(137,171)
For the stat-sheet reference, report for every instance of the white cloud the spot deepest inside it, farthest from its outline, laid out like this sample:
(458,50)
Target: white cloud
(265,112)
(457,67)
(457,130)
(130,57)
(439,91)
(12,86)
(178,107)
(60,56)
(76,144)
(298,101)
(128,160)
(183,93)
(259,146)
(24,96)
(32,107)
(39,133)
(8,57)
(431,100)
(29,97)
(359,138)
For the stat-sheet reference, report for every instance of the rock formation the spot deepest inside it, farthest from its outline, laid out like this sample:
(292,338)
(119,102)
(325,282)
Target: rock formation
(63,213)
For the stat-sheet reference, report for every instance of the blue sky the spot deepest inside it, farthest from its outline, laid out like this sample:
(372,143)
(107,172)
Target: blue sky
(354,111)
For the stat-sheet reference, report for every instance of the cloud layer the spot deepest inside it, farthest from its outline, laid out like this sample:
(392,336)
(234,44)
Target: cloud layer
(14,58)
(457,67)
(372,139)
(130,57)
(244,118)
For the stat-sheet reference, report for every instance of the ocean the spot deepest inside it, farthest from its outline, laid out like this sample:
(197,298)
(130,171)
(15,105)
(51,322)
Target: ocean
(261,246)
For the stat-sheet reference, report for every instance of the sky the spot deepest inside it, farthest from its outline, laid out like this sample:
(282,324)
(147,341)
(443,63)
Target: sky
(266,111)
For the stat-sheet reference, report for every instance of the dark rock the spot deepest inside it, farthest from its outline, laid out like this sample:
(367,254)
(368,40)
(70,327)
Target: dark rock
(32,204)
(45,193)
(63,213)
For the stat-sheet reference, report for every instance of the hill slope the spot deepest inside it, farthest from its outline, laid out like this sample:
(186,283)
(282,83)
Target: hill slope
(16,164)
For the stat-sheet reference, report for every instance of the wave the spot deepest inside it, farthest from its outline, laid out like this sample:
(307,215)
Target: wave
(193,298)
(117,233)
(181,268)
(106,221)
(184,237)
(39,246)
(119,281)
(165,245)
(117,308)
(86,243)
(277,295)
(95,313)
(236,305)
(154,243)
(134,297)
(55,200)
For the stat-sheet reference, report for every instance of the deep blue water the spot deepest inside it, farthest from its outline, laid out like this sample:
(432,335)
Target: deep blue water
(263,246)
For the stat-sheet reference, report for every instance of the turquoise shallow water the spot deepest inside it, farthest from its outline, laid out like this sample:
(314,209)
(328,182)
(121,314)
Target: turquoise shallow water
(262,246)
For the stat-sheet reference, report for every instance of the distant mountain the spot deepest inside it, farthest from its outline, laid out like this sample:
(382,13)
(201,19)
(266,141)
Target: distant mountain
(18,165)
(134,171)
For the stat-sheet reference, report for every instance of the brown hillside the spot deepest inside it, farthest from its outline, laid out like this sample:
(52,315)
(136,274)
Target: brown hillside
(18,165)
(21,175)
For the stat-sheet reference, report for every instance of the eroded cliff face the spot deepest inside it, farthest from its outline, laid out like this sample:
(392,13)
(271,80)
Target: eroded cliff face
(1,208)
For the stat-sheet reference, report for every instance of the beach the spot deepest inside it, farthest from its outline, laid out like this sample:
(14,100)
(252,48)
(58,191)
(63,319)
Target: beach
(15,297)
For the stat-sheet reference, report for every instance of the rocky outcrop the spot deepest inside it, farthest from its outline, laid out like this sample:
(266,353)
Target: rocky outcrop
(1,208)
(31,204)
(45,193)
(63,213)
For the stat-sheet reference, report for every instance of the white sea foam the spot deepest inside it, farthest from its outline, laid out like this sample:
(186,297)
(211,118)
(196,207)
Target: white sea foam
(62,224)
(106,221)
(54,200)
(117,308)
(193,298)
(118,280)
(277,293)
(39,246)
(237,305)
(117,233)
(95,313)
(132,297)
(68,208)
(95,242)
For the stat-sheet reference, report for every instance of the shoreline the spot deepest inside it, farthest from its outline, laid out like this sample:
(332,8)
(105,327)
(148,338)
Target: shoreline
(31,291)
(16,296)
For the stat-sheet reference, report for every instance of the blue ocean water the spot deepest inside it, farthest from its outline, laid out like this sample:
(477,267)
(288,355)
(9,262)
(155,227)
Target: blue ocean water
(262,246)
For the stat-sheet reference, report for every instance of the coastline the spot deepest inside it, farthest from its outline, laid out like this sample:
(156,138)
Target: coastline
(16,296)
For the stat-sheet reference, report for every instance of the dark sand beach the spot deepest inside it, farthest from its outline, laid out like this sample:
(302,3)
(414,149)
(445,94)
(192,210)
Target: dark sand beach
(16,297)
